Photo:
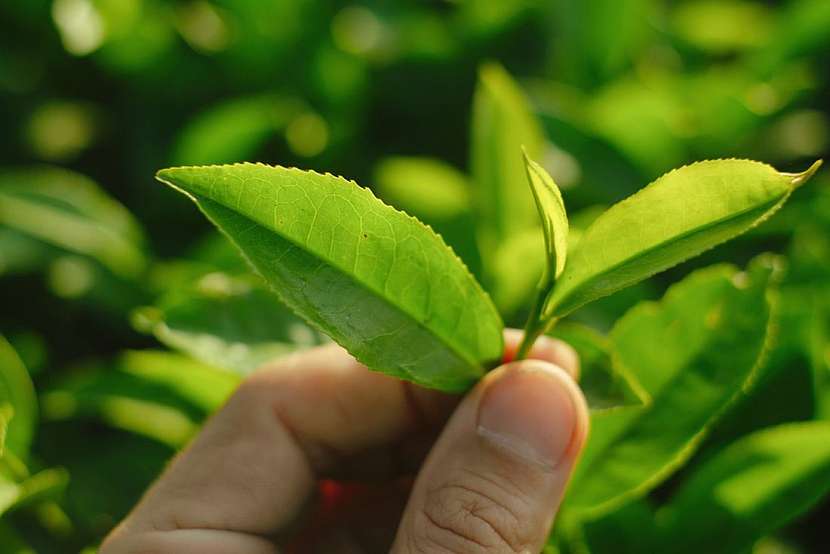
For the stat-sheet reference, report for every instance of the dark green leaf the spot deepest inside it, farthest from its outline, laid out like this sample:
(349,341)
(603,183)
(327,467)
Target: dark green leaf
(692,353)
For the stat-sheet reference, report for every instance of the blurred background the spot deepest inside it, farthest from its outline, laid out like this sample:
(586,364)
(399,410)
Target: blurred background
(133,319)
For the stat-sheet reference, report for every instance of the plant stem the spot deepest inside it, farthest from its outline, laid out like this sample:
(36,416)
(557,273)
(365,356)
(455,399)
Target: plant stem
(535,326)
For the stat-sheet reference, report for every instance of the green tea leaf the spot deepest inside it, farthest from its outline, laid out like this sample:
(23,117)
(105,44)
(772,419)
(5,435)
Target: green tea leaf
(17,391)
(605,386)
(680,215)
(377,281)
(229,322)
(750,488)
(691,353)
(553,215)
(502,124)
(68,211)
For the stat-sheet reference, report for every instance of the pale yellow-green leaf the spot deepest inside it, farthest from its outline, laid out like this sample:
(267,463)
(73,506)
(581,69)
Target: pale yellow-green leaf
(552,214)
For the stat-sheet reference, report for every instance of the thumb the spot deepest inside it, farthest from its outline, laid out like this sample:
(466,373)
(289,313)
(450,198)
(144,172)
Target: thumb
(495,478)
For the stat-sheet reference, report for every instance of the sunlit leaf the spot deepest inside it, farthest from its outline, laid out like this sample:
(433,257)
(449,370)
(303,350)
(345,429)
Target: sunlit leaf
(377,281)
(680,215)
(552,213)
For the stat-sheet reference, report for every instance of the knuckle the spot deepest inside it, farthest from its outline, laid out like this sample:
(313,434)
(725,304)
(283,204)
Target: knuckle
(472,515)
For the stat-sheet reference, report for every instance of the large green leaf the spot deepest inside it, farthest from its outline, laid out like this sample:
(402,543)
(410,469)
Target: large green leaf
(749,489)
(377,281)
(68,211)
(691,353)
(17,391)
(230,322)
(680,215)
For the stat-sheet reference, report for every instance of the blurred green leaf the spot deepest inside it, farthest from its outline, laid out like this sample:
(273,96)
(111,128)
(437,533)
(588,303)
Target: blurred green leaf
(597,40)
(518,265)
(67,210)
(481,19)
(691,353)
(17,390)
(6,413)
(20,253)
(719,26)
(233,323)
(233,131)
(752,487)
(12,542)
(606,386)
(160,395)
(801,29)
(630,529)
(502,124)
(427,188)
(45,485)
(322,255)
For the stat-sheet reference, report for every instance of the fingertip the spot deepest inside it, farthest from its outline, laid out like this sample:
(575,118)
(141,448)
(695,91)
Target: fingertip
(535,409)
(557,352)
(549,349)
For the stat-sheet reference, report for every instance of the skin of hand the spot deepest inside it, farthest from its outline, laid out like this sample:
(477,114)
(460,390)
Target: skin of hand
(315,453)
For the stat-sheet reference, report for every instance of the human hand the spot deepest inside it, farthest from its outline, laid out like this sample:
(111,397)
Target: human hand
(316,454)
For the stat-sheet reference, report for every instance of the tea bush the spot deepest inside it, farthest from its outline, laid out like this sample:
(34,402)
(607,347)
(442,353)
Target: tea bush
(126,318)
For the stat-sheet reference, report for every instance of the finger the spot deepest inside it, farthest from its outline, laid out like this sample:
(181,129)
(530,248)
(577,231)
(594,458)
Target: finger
(495,478)
(545,348)
(253,467)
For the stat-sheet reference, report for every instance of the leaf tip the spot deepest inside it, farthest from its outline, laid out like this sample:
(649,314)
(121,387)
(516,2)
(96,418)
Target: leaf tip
(164,175)
(799,179)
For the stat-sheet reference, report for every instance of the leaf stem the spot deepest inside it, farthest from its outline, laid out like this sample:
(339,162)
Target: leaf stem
(535,325)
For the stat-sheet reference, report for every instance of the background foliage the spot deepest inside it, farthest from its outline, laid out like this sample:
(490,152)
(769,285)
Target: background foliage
(125,319)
